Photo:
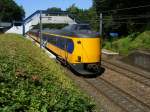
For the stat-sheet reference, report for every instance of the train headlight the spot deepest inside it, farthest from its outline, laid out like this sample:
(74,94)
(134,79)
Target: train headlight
(79,42)
(79,58)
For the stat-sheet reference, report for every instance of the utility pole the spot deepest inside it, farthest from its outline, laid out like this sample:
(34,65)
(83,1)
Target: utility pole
(101,24)
(101,34)
(23,29)
(41,27)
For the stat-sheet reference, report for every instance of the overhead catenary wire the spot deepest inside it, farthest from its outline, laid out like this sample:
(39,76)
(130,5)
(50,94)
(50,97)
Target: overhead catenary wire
(136,7)
(130,15)
(127,22)
(125,18)
(109,19)
(130,18)
(116,22)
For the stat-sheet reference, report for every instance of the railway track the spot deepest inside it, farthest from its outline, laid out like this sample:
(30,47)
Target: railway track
(138,88)
(114,95)
(122,99)
(139,77)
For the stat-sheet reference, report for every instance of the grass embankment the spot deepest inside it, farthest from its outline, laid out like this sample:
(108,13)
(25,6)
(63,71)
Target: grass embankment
(30,81)
(132,42)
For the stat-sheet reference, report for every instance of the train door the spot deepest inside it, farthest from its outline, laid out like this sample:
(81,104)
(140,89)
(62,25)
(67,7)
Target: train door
(80,51)
(62,46)
(67,48)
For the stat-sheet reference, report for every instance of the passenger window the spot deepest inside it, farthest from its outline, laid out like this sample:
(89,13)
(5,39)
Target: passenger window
(52,40)
(61,43)
(45,37)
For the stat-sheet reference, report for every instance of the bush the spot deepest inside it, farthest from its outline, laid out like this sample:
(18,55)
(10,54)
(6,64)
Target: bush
(30,81)
(142,41)
(132,42)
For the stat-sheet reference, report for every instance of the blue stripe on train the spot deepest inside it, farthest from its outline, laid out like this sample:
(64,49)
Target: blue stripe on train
(60,42)
(70,46)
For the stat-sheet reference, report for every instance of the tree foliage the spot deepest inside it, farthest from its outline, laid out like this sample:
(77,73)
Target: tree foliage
(10,11)
(115,21)
(54,9)
(84,15)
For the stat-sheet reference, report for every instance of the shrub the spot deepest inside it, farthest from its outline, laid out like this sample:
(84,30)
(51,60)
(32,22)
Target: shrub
(31,82)
(132,42)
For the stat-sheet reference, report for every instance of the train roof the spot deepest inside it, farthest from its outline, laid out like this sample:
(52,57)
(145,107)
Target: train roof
(77,27)
(73,30)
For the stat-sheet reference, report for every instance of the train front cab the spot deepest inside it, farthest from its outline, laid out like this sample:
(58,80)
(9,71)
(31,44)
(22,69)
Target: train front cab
(80,53)
(86,56)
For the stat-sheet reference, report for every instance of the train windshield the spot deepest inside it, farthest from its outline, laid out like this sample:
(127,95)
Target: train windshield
(83,27)
(80,31)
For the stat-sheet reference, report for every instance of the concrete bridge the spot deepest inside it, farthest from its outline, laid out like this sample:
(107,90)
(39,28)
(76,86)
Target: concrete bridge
(47,18)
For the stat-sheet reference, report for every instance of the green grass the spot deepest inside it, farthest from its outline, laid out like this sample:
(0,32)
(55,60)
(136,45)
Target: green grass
(125,45)
(31,82)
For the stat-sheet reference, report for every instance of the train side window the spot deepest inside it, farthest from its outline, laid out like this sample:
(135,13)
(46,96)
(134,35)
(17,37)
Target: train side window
(61,43)
(49,39)
(64,44)
(70,46)
(53,40)
(45,37)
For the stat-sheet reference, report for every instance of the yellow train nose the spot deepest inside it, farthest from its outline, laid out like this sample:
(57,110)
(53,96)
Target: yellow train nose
(87,50)
(91,48)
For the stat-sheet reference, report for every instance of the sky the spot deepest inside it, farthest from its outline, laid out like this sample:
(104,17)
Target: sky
(31,6)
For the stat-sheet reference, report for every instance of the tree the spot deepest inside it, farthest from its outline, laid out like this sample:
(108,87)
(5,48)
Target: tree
(54,9)
(73,9)
(84,15)
(10,11)
(93,18)
(128,24)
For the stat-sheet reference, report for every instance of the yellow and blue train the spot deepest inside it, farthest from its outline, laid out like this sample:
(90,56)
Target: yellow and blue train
(75,45)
